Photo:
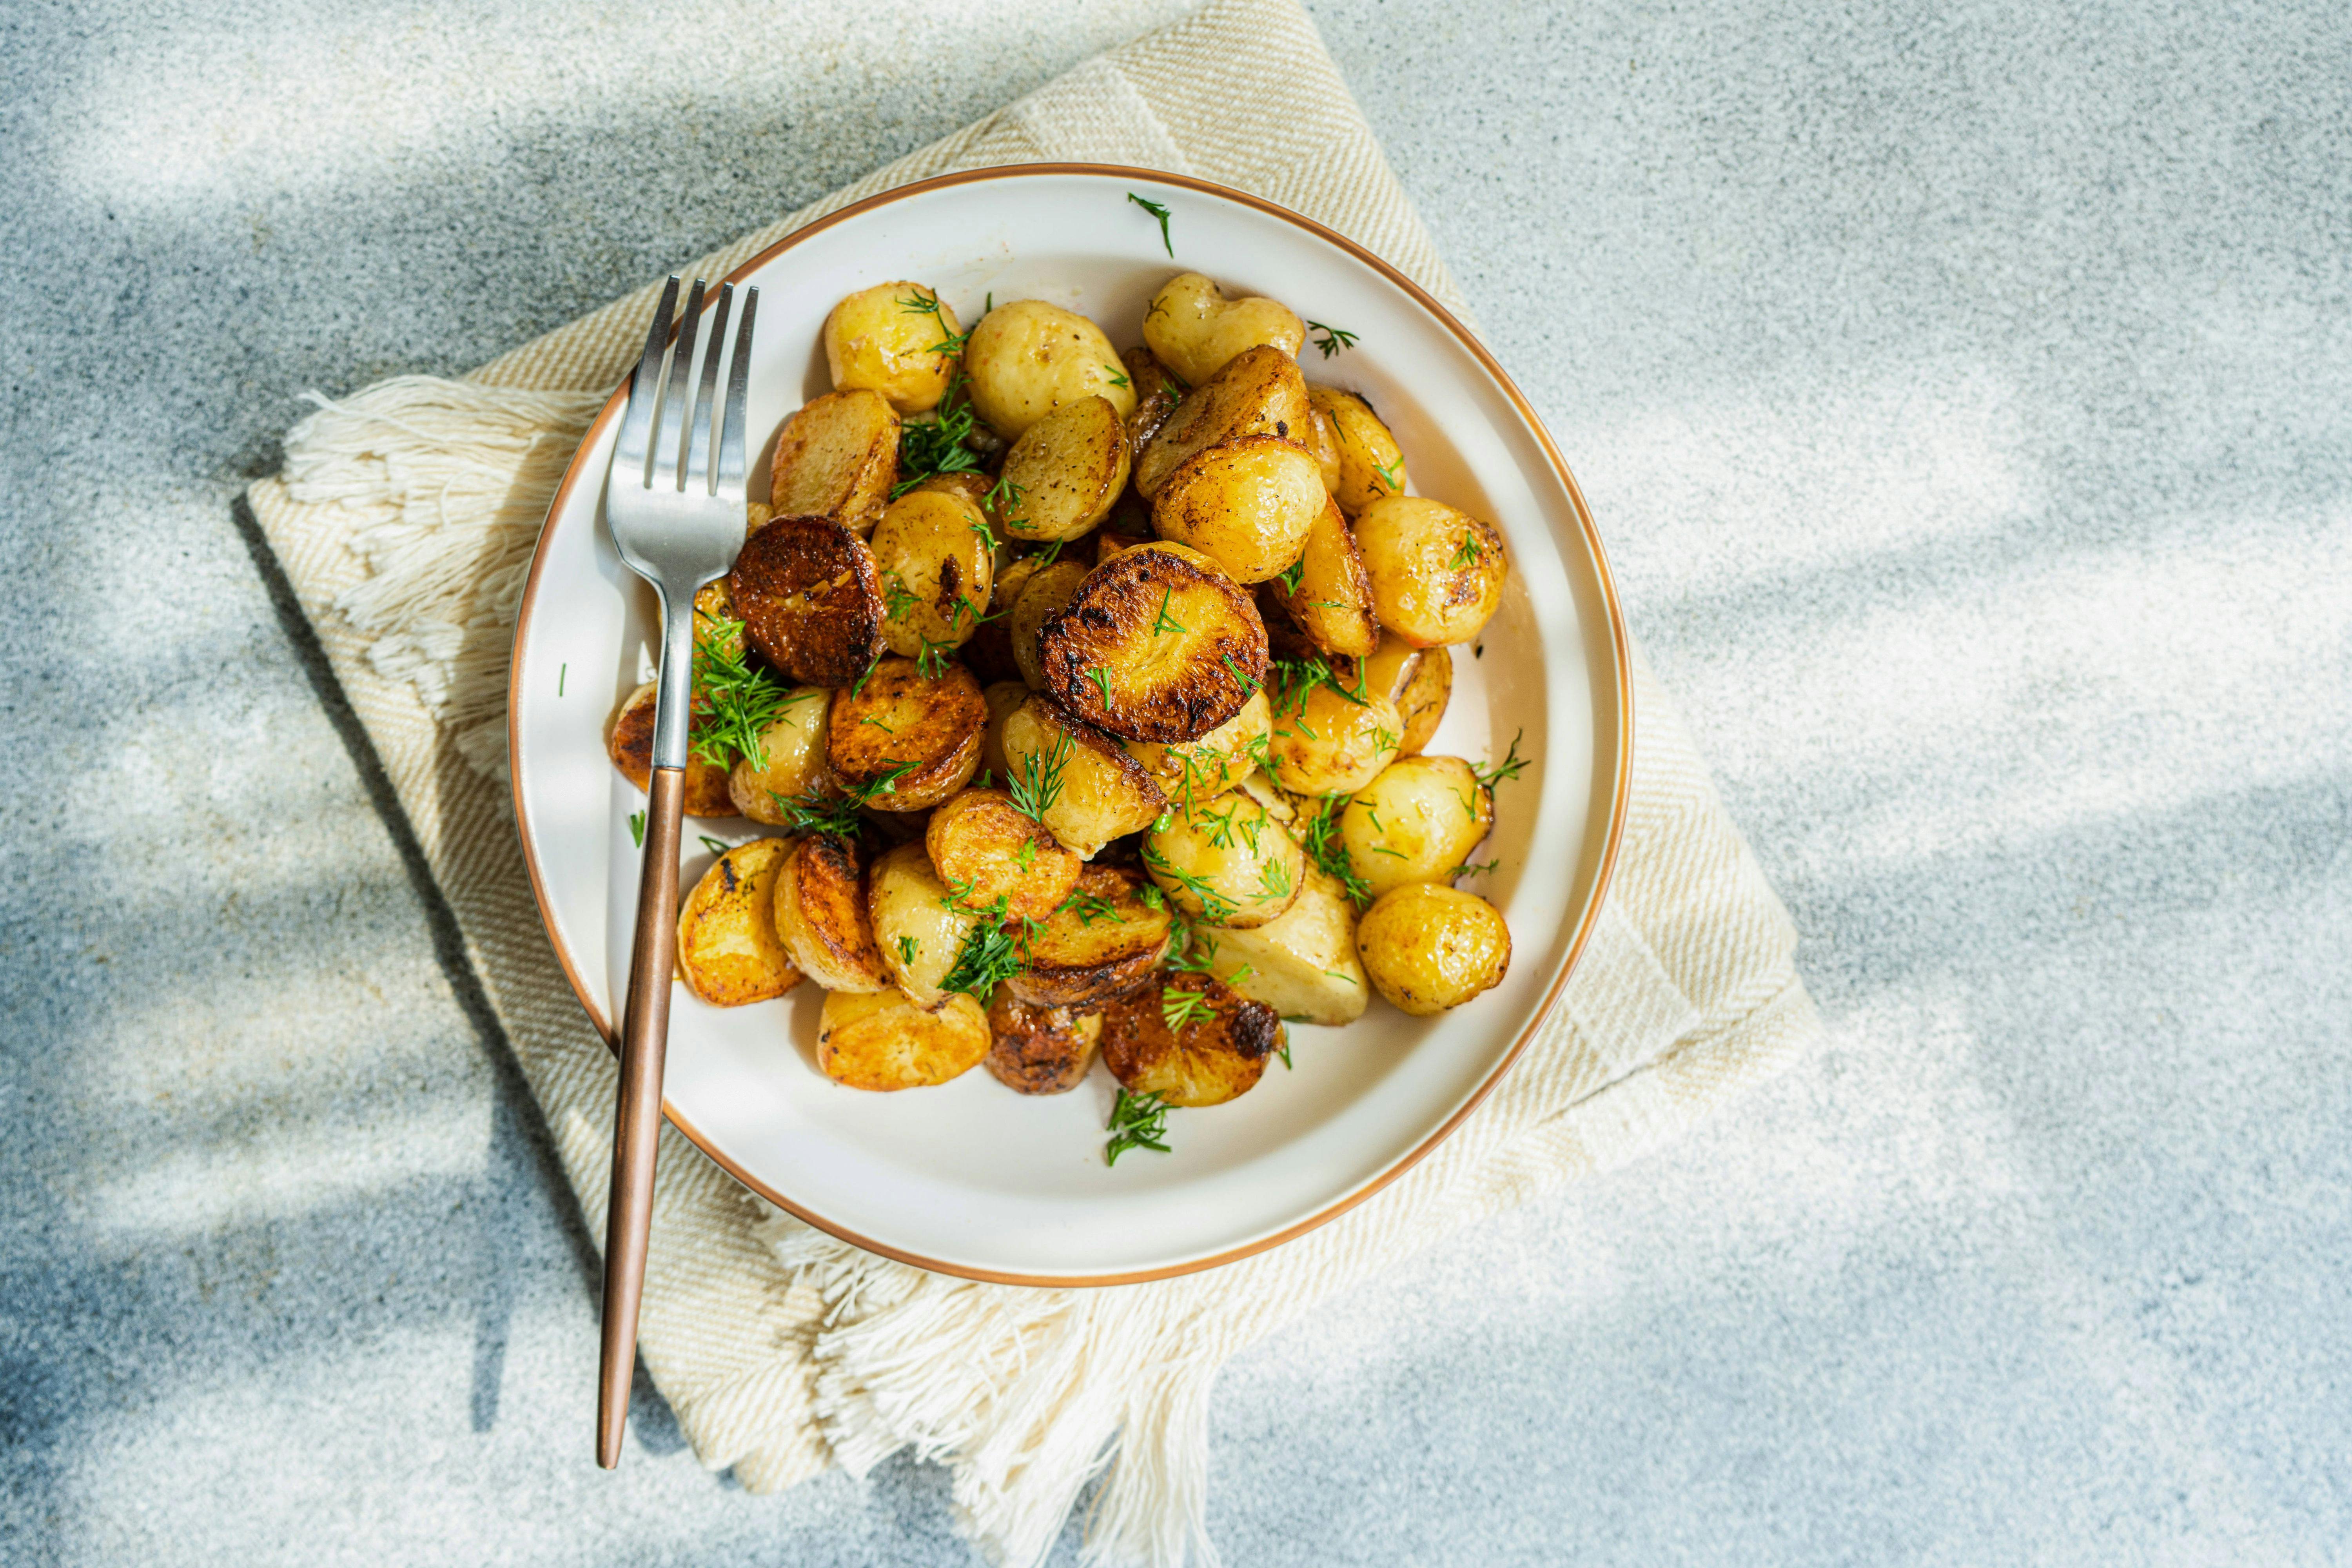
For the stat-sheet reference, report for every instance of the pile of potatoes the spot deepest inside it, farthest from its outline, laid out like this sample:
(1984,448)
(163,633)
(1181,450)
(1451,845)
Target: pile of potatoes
(1167,618)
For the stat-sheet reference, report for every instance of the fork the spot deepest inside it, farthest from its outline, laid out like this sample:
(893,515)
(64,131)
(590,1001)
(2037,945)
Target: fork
(677,523)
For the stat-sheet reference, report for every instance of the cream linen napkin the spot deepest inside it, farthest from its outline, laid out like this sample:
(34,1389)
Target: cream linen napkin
(404,519)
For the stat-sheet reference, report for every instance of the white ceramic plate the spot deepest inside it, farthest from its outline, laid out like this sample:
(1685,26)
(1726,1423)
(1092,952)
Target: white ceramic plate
(971,1178)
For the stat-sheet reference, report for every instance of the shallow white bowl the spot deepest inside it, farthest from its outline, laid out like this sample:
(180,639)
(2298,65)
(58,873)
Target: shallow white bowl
(971,1178)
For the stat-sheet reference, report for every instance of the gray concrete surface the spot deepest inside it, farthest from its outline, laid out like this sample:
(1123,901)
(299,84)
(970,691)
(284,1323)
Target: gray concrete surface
(1966,392)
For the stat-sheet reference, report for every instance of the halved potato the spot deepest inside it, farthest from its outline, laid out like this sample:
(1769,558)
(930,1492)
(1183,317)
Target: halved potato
(1028,358)
(1157,393)
(1322,442)
(1438,572)
(1258,393)
(918,925)
(1428,948)
(629,741)
(1040,1050)
(887,339)
(811,599)
(905,739)
(1248,504)
(936,568)
(1330,742)
(1422,704)
(1225,861)
(883,1041)
(1157,644)
(791,759)
(1104,942)
(985,848)
(1189,770)
(1003,698)
(1302,963)
(822,919)
(1371,465)
(1416,822)
(836,457)
(1327,593)
(1214,1051)
(1196,330)
(1048,590)
(1099,791)
(1067,470)
(727,953)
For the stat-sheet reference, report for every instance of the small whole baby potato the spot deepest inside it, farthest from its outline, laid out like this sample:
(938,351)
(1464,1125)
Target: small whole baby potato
(787,762)
(836,457)
(1192,1040)
(883,1041)
(1246,504)
(1225,861)
(887,339)
(629,741)
(1416,823)
(986,848)
(1040,1050)
(1028,358)
(822,918)
(918,927)
(1048,589)
(910,739)
(1371,465)
(1326,742)
(936,571)
(1422,701)
(727,952)
(1065,472)
(1429,948)
(1098,793)
(1217,762)
(1261,393)
(1157,394)
(1196,330)
(1326,594)
(1438,572)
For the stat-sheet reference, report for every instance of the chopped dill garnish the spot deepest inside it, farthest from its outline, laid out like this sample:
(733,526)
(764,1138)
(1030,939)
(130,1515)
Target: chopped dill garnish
(939,445)
(896,597)
(1295,679)
(1511,767)
(1273,879)
(908,947)
(1159,212)
(1333,340)
(1249,682)
(1387,478)
(1137,1121)
(1213,904)
(952,344)
(1038,784)
(834,816)
(711,844)
(988,956)
(1117,379)
(1292,575)
(1466,553)
(1166,623)
(1320,836)
(638,828)
(735,701)
(1101,678)
(1179,1008)
(1479,869)
(1090,907)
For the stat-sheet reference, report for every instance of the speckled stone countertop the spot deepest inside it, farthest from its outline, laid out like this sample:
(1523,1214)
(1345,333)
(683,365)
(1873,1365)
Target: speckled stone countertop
(1966,395)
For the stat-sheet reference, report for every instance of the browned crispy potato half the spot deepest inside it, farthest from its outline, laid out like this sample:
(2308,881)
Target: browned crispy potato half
(1040,1050)
(883,1041)
(1157,644)
(1068,467)
(1098,792)
(1225,861)
(1329,598)
(811,599)
(1215,1054)
(1048,590)
(821,915)
(1003,697)
(1028,358)
(1323,442)
(1157,394)
(918,924)
(1371,465)
(1247,504)
(1438,572)
(1326,744)
(1416,822)
(790,762)
(629,741)
(1217,762)
(981,842)
(1103,942)
(936,570)
(1196,329)
(837,458)
(884,339)
(1429,948)
(1421,703)
(1302,963)
(921,732)
(727,953)
(1258,393)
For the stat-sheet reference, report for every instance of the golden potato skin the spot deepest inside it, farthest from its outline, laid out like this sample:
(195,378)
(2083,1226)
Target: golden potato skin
(937,572)
(1322,442)
(1437,572)
(791,763)
(629,741)
(1302,963)
(1217,762)
(1195,330)
(1371,465)
(822,919)
(1103,942)
(1259,392)
(1104,792)
(883,340)
(728,952)
(1157,644)
(979,840)
(1047,591)
(1070,467)
(836,457)
(1028,358)
(901,716)
(1428,948)
(1248,504)
(811,599)
(1331,603)
(1040,1050)
(918,926)
(1157,394)
(883,1041)
(1392,668)
(1325,744)
(1206,1061)
(1225,861)
(1416,822)
(1421,703)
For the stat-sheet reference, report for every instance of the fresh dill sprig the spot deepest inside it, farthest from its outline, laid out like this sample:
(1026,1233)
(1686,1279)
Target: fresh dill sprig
(1467,554)
(1295,679)
(1179,1007)
(1101,678)
(1159,212)
(737,701)
(1333,340)
(1090,907)
(1511,767)
(1038,784)
(1118,378)
(908,946)
(1137,1121)
(932,660)
(939,445)
(1320,836)
(638,828)
(1273,879)
(834,816)
(928,305)
(1292,575)
(711,844)
(1388,478)
(1213,904)
(1479,869)
(988,956)
(896,597)
(1166,622)
(1249,682)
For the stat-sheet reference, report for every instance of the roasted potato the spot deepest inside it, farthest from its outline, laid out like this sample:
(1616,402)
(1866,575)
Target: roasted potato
(1428,948)
(1422,703)
(1259,392)
(1416,822)
(1213,1051)
(1028,358)
(1097,793)
(811,599)
(1003,698)
(1330,742)
(837,458)
(717,629)
(1157,393)
(1104,942)
(905,739)
(918,927)
(1048,589)
(1302,963)
(1040,1050)
(1371,465)
(989,652)
(727,953)
(883,1041)
(1247,504)
(1322,442)
(1327,593)
(1393,666)
(983,847)
(629,741)
(1437,572)
(822,919)
(887,339)
(936,571)
(1195,330)
(1157,644)
(789,760)
(1066,470)
(1225,861)
(1217,762)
